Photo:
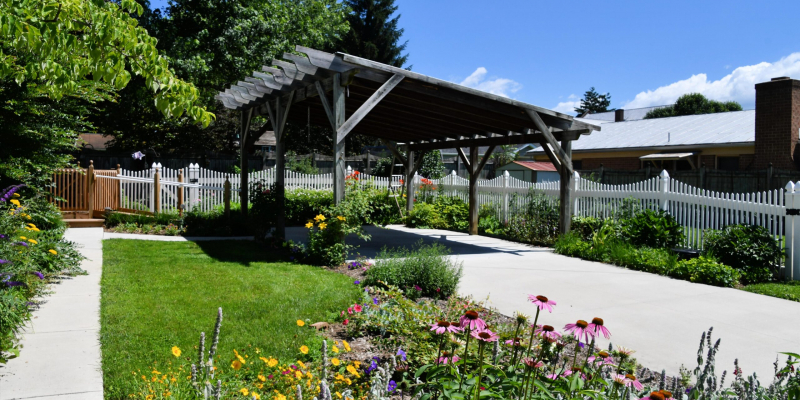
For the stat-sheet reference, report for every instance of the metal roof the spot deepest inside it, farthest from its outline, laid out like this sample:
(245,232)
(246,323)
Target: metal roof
(533,165)
(632,114)
(735,127)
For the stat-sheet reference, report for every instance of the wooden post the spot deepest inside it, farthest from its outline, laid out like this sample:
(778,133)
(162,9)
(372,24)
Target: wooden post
(280,186)
(338,145)
(410,180)
(474,173)
(226,197)
(157,191)
(567,188)
(180,193)
(119,188)
(90,188)
(245,129)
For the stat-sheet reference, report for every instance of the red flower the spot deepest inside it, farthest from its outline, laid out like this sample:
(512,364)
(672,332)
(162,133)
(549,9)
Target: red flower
(347,321)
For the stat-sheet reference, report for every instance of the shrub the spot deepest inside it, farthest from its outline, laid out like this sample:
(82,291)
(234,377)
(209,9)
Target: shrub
(538,223)
(706,270)
(444,213)
(652,229)
(488,221)
(750,249)
(117,218)
(586,226)
(423,270)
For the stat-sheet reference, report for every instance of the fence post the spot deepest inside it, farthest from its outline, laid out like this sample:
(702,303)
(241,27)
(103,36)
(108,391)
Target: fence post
(119,195)
(180,192)
(194,178)
(226,197)
(90,188)
(791,238)
(664,180)
(506,178)
(577,177)
(156,206)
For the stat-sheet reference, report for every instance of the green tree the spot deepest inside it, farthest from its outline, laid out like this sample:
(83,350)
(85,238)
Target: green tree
(432,166)
(374,34)
(693,104)
(504,155)
(594,102)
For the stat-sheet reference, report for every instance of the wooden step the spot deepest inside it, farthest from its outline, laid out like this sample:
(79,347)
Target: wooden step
(85,222)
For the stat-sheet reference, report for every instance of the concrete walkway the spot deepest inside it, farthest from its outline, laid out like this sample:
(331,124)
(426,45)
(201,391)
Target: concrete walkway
(60,357)
(661,318)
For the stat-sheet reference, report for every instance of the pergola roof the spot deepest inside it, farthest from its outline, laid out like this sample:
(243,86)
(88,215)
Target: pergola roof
(410,108)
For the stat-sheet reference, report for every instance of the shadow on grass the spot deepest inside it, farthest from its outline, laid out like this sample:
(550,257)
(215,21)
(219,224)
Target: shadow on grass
(240,252)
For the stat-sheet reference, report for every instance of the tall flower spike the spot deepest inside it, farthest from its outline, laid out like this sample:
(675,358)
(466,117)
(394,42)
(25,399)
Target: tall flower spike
(299,392)
(202,350)
(218,391)
(495,352)
(324,360)
(215,340)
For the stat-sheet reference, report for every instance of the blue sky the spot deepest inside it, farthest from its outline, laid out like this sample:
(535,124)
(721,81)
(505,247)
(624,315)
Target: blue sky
(642,52)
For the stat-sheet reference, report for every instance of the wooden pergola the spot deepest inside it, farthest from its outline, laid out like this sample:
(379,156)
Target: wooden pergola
(405,110)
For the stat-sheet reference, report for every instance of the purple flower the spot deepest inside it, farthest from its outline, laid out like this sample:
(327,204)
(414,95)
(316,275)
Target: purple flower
(39,274)
(357,282)
(375,300)
(138,155)
(5,277)
(402,354)
(581,344)
(22,244)
(4,261)
(392,386)
(372,366)
(417,288)
(3,236)
(14,283)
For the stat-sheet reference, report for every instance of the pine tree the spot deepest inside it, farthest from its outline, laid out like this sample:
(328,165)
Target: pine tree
(374,34)
(594,102)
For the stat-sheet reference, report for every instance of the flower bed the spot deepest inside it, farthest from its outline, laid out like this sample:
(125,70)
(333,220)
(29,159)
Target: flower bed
(33,252)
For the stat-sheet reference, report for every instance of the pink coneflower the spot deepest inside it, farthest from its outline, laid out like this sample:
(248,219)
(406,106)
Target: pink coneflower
(542,302)
(547,331)
(579,329)
(597,327)
(516,342)
(573,370)
(654,396)
(357,308)
(485,335)
(471,320)
(531,363)
(632,381)
(443,327)
(621,379)
(625,351)
(445,360)
(607,360)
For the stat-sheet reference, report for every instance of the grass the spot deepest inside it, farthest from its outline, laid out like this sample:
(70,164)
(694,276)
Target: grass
(783,290)
(156,295)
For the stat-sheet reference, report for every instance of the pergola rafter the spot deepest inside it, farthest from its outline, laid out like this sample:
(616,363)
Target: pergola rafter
(404,109)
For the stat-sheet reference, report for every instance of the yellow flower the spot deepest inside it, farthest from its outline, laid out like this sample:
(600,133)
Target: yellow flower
(346,345)
(300,363)
(236,365)
(357,364)
(335,349)
(300,322)
(319,218)
(339,377)
(256,396)
(15,196)
(298,374)
(33,241)
(304,349)
(310,225)
(340,218)
(272,362)
(244,391)
(352,370)
(335,361)
(176,351)
(279,396)
(23,238)
(155,372)
(262,378)
(15,202)
(53,252)
(338,395)
(322,225)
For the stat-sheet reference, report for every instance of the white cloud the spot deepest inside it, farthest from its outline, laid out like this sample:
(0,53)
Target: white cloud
(567,107)
(739,85)
(499,86)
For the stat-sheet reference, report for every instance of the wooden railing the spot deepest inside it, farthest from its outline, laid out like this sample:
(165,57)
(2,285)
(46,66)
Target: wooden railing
(79,189)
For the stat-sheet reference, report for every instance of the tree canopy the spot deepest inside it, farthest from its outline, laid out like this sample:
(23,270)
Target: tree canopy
(693,104)
(594,102)
(374,34)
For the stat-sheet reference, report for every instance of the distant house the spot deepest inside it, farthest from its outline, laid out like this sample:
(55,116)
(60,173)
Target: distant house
(531,171)
(93,141)
(738,140)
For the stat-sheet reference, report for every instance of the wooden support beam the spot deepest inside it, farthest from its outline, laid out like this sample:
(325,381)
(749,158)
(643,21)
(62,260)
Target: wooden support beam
(338,146)
(485,159)
(246,117)
(567,188)
(464,159)
(327,106)
(410,181)
(392,148)
(473,190)
(496,141)
(564,159)
(367,106)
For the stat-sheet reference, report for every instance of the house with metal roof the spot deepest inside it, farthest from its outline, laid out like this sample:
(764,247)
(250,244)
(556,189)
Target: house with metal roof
(737,140)
(531,171)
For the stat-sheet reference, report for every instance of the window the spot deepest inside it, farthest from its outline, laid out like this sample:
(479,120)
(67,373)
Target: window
(728,163)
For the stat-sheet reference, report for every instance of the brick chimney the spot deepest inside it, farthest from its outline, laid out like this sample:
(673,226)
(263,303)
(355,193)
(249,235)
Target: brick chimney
(777,123)
(619,115)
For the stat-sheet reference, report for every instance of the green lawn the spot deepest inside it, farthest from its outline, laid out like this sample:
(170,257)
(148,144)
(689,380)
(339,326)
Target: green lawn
(784,290)
(156,295)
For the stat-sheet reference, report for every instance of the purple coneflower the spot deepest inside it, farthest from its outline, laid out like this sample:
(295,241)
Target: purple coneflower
(445,360)
(485,335)
(547,331)
(625,351)
(471,320)
(654,396)
(621,379)
(632,381)
(444,327)
(597,327)
(579,329)
(604,358)
(542,302)
(531,363)
(516,342)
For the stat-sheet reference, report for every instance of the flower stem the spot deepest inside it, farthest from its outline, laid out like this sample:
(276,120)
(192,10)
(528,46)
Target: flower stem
(481,345)
(513,343)
(439,353)
(466,355)
(533,330)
